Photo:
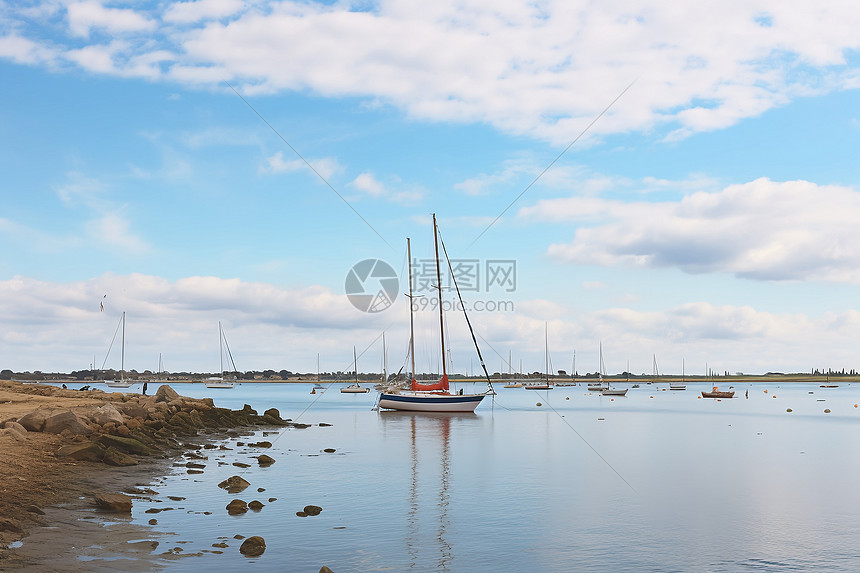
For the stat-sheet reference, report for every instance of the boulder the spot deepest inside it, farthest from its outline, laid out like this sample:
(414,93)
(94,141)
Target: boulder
(234,484)
(35,420)
(265,461)
(237,507)
(325,569)
(124,444)
(166,394)
(114,457)
(106,414)
(253,546)
(67,420)
(114,502)
(85,451)
(255,505)
(312,509)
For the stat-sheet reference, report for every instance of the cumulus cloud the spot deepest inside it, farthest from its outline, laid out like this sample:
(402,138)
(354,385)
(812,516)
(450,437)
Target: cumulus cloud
(85,16)
(188,12)
(542,70)
(763,230)
(59,326)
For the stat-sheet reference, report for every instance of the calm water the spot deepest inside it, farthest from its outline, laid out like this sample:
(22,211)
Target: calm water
(655,481)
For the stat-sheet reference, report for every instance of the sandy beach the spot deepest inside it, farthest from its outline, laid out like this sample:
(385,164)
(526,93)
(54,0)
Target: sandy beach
(49,520)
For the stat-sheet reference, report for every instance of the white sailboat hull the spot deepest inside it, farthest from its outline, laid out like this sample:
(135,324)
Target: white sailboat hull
(118,383)
(430,402)
(354,390)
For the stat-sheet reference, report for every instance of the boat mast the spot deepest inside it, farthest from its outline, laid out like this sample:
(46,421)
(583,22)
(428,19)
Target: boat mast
(411,318)
(221,348)
(122,351)
(546,352)
(355,365)
(439,289)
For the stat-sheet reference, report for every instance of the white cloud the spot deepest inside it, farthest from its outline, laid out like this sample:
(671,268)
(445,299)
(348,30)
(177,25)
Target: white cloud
(188,12)
(761,230)
(540,70)
(59,326)
(25,51)
(85,16)
(326,167)
(367,183)
(113,231)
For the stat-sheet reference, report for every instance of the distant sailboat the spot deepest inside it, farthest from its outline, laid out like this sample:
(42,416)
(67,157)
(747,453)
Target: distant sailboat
(355,388)
(607,391)
(122,382)
(545,385)
(682,385)
(222,381)
(601,385)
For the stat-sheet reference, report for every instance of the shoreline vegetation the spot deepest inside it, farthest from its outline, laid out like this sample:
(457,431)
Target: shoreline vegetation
(91,450)
(349,378)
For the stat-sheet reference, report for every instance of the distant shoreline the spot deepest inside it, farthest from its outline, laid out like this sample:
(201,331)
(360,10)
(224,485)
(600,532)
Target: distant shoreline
(617,378)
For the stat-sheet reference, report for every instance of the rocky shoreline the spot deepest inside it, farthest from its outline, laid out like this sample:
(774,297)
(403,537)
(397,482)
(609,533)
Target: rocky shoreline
(67,449)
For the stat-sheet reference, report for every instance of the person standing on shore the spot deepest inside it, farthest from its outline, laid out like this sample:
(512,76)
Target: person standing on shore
(144,388)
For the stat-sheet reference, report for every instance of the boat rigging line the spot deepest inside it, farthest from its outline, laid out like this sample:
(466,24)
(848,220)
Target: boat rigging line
(535,180)
(306,162)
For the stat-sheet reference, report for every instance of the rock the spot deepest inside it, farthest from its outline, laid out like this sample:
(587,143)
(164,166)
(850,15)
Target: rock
(166,394)
(324,425)
(115,502)
(237,507)
(15,427)
(67,420)
(114,457)
(104,414)
(241,465)
(325,569)
(253,546)
(85,451)
(265,461)
(124,444)
(153,521)
(255,505)
(234,484)
(312,509)
(263,444)
(34,509)
(273,413)
(35,420)
(247,409)
(10,525)
(329,450)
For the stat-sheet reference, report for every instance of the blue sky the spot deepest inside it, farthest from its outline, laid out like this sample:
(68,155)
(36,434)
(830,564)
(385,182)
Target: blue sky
(708,216)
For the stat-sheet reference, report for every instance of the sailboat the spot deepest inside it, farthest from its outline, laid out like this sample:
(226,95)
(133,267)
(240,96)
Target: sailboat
(607,391)
(545,385)
(601,385)
(122,382)
(512,383)
(221,381)
(355,388)
(433,397)
(682,385)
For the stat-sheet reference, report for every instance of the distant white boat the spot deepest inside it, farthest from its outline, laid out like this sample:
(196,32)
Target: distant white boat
(545,385)
(682,385)
(355,388)
(122,382)
(222,381)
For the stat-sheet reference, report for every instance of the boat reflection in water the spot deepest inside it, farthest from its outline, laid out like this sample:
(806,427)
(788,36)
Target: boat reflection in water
(433,497)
